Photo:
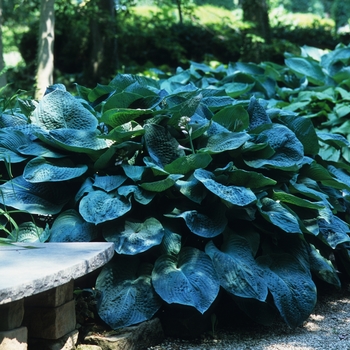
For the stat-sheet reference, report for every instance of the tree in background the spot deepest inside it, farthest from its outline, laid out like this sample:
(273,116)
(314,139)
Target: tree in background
(3,80)
(256,12)
(340,13)
(103,40)
(44,76)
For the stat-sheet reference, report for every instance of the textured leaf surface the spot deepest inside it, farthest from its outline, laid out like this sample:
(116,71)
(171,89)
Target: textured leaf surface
(119,116)
(235,195)
(69,226)
(186,279)
(257,114)
(161,185)
(225,141)
(109,183)
(236,268)
(205,223)
(29,232)
(278,215)
(127,297)
(99,206)
(161,146)
(323,268)
(140,195)
(291,286)
(289,151)
(192,189)
(41,198)
(41,170)
(83,141)
(59,109)
(132,237)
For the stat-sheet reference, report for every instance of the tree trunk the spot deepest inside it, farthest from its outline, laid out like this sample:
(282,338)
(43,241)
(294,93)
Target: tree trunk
(3,80)
(256,11)
(103,51)
(44,76)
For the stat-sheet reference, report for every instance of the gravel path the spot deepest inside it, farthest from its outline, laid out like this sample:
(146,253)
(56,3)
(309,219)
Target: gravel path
(328,328)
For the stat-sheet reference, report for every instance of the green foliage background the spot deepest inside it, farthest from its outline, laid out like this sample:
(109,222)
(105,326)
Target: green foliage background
(220,186)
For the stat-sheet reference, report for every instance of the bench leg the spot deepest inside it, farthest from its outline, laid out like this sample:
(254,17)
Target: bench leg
(50,318)
(12,335)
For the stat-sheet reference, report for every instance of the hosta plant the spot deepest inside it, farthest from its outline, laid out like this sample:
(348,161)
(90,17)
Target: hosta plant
(208,184)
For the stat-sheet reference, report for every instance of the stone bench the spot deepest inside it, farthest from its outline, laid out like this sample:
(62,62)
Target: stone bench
(36,292)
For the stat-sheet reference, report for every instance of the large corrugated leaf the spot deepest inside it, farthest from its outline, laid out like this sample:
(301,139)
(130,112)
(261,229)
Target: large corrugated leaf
(59,109)
(186,279)
(127,296)
(134,237)
(36,198)
(42,170)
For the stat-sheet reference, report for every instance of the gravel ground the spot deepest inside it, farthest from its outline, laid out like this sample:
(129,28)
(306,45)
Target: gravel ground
(327,328)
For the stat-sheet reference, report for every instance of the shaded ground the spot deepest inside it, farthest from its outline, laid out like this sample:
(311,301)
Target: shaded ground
(327,328)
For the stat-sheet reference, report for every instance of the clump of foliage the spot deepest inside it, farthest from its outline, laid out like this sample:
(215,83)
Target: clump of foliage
(214,181)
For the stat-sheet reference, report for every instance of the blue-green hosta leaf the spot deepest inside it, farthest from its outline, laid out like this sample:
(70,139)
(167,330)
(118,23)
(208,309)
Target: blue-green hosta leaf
(109,183)
(10,141)
(12,120)
(82,141)
(225,141)
(281,196)
(29,232)
(233,118)
(99,206)
(37,149)
(334,140)
(171,243)
(161,146)
(40,169)
(340,174)
(317,172)
(257,114)
(37,198)
(333,230)
(235,195)
(204,223)
(140,195)
(237,89)
(85,188)
(289,151)
(186,279)
(307,67)
(290,283)
(156,169)
(186,108)
(249,179)
(125,132)
(59,109)
(119,116)
(9,156)
(121,100)
(278,215)
(69,226)
(323,268)
(133,237)
(304,131)
(192,189)
(236,268)
(127,297)
(186,164)
(134,172)
(161,185)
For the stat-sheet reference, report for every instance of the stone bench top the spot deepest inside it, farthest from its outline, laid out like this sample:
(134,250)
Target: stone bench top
(28,271)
